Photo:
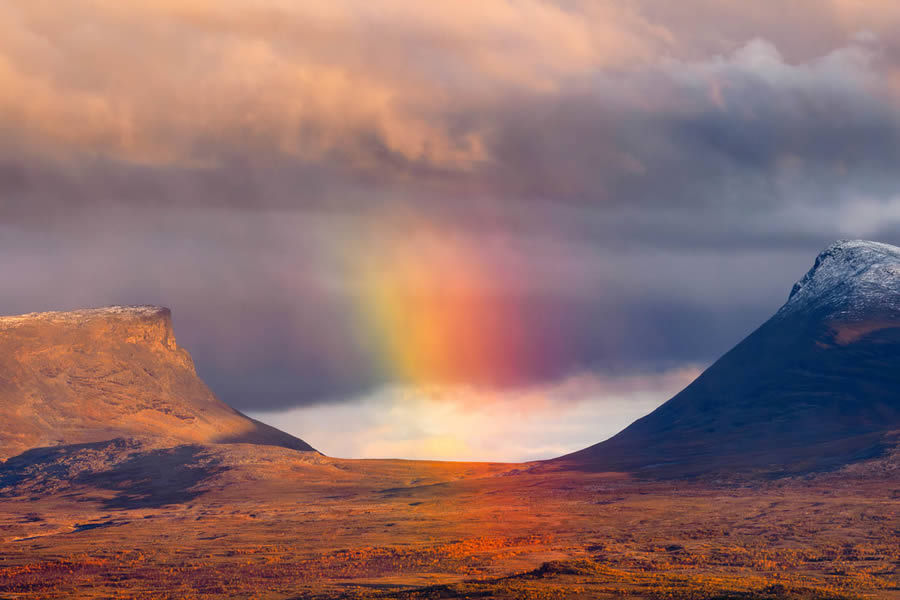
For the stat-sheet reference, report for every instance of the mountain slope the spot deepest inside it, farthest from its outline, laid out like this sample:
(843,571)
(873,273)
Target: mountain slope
(816,386)
(94,375)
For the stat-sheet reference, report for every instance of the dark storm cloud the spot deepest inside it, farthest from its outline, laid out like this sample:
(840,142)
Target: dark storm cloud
(253,302)
(644,187)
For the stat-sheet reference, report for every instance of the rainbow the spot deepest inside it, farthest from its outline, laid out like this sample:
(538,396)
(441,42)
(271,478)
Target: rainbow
(433,306)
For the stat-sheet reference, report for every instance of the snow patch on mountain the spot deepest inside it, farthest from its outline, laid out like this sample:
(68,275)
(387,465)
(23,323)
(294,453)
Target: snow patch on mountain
(850,278)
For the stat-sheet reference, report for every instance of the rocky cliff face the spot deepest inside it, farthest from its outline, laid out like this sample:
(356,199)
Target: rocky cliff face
(815,387)
(94,375)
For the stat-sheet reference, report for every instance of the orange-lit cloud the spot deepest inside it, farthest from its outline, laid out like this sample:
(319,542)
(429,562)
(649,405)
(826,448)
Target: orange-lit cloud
(526,98)
(180,81)
(188,81)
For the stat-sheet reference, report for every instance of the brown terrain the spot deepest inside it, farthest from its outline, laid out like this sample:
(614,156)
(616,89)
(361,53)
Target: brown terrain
(124,477)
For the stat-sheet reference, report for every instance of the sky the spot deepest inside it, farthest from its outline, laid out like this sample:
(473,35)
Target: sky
(499,230)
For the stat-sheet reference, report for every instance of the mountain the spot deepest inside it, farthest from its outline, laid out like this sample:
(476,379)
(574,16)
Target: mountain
(95,375)
(815,387)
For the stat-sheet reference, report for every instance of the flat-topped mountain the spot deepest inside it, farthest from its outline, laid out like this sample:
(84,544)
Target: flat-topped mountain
(816,386)
(94,375)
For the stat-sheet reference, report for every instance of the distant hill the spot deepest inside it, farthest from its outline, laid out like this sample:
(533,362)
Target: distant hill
(95,375)
(815,387)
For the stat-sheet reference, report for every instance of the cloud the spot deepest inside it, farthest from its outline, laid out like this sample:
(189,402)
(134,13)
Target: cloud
(396,92)
(465,423)
(276,119)
(192,82)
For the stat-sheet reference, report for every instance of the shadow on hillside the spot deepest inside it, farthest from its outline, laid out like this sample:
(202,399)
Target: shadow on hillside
(141,478)
(156,478)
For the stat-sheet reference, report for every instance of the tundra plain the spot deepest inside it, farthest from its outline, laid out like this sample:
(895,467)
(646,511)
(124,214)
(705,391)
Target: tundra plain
(245,521)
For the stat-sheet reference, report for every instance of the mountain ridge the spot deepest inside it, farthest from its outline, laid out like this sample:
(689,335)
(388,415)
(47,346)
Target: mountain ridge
(91,375)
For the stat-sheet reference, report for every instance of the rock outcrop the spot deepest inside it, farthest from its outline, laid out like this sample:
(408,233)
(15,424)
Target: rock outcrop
(94,375)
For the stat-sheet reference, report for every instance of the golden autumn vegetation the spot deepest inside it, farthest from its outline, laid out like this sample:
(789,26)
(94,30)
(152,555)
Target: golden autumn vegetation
(315,527)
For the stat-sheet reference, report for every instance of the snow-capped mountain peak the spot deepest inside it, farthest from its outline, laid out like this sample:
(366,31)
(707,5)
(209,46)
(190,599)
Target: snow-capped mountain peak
(848,278)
